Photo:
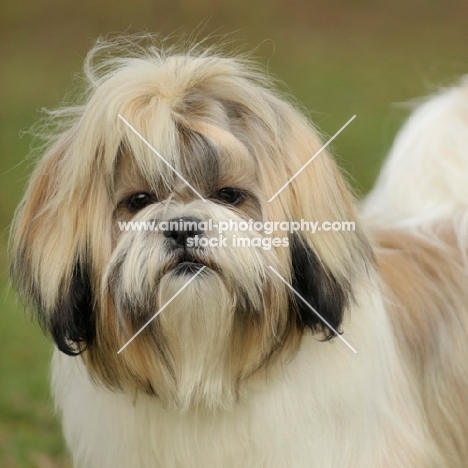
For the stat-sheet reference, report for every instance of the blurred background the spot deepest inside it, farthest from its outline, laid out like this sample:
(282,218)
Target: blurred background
(338,57)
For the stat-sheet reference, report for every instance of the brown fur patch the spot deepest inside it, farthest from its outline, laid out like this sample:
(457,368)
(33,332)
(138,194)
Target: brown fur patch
(426,285)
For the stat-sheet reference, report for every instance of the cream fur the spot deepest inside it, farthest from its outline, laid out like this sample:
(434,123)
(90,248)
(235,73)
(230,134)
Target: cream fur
(214,382)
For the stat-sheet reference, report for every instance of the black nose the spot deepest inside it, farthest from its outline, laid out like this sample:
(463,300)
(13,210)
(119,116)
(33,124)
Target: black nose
(180,229)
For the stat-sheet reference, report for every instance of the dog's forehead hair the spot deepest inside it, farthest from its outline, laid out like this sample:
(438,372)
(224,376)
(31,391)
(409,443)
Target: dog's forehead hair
(197,159)
(208,157)
(233,158)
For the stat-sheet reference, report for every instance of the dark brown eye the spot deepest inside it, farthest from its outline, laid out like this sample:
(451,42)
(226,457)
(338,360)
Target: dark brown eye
(230,196)
(138,201)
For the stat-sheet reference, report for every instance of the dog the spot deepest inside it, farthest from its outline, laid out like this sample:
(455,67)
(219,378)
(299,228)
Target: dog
(328,349)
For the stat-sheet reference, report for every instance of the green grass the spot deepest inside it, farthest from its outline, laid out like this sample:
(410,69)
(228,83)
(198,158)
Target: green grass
(338,58)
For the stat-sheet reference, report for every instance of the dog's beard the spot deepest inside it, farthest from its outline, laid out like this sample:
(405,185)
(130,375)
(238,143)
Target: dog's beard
(210,332)
(196,328)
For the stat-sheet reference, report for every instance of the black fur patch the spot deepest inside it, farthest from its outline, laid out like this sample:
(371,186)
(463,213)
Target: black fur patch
(72,324)
(318,287)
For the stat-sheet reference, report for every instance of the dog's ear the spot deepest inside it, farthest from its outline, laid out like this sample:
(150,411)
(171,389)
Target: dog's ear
(303,184)
(320,292)
(326,263)
(50,267)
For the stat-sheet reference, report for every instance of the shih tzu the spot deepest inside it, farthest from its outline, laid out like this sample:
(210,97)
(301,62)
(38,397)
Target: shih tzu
(174,350)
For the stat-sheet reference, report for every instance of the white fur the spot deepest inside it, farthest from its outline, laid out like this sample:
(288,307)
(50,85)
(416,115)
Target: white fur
(328,407)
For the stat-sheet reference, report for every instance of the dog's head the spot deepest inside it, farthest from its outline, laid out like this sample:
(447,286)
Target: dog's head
(219,144)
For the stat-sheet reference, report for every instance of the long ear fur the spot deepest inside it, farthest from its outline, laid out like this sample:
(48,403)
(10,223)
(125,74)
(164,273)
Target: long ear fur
(48,266)
(325,264)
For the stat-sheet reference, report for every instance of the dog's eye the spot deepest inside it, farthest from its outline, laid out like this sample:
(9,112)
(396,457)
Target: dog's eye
(231,196)
(138,201)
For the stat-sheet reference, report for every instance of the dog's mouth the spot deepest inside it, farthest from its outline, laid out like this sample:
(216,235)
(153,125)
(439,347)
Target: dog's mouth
(187,268)
(188,262)
(185,264)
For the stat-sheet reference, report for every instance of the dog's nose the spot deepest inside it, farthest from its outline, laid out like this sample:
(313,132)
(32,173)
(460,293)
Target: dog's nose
(180,229)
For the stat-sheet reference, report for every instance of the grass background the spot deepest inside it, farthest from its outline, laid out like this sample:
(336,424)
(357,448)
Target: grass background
(337,57)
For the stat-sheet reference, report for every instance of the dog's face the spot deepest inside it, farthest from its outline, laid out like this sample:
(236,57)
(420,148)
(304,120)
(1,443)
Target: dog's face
(228,145)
